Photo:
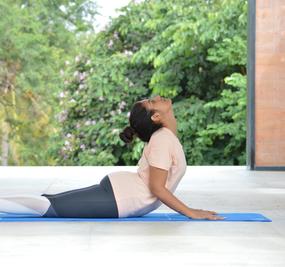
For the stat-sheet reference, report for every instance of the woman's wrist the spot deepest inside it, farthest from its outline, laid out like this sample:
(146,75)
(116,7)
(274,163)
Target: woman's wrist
(190,211)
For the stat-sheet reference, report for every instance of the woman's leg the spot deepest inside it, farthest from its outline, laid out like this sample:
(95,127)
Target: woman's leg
(37,205)
(95,201)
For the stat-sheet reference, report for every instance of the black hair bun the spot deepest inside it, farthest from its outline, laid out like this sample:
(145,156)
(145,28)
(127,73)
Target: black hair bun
(128,134)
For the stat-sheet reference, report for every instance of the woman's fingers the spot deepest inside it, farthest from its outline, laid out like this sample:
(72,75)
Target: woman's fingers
(215,217)
(212,215)
(202,214)
(218,218)
(213,212)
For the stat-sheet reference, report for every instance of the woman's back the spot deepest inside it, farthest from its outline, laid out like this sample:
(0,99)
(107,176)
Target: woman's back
(131,189)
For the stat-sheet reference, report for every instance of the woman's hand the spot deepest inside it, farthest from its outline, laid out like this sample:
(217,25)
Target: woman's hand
(213,212)
(203,214)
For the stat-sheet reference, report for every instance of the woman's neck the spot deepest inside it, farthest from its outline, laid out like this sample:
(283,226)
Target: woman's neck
(172,126)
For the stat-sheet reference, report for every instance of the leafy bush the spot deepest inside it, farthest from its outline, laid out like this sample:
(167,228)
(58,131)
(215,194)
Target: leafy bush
(192,51)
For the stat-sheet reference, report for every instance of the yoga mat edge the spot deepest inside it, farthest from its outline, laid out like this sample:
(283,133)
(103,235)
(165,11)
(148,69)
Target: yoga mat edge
(151,217)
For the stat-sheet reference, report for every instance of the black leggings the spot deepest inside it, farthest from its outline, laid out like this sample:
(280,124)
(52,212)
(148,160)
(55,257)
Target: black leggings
(96,201)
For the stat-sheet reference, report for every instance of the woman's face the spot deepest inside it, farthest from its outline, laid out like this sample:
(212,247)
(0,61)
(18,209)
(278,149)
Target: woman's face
(162,107)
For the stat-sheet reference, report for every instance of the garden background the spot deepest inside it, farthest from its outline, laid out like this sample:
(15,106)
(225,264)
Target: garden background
(66,90)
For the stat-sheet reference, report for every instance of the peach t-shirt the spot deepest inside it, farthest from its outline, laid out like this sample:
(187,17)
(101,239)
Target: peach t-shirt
(131,189)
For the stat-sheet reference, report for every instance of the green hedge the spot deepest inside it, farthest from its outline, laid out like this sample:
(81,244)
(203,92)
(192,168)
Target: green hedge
(191,51)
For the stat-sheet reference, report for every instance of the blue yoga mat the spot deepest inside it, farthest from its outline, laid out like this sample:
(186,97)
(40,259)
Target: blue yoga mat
(150,217)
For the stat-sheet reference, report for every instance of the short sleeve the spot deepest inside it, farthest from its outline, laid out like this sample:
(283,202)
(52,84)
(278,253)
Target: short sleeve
(160,151)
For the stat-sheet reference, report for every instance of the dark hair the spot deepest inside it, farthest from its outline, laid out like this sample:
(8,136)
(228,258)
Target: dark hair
(141,124)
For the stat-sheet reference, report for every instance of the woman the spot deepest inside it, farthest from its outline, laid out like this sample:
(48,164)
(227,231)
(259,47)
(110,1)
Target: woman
(123,193)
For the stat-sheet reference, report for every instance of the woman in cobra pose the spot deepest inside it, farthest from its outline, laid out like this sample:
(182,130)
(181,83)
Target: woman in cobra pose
(123,193)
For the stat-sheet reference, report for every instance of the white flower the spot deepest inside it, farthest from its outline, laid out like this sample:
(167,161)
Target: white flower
(101,98)
(65,82)
(112,112)
(67,142)
(128,114)
(122,104)
(67,62)
(116,36)
(82,76)
(110,44)
(88,62)
(128,53)
(91,70)
(77,92)
(119,111)
(93,150)
(82,146)
(72,101)
(81,86)
(88,122)
(75,74)
(61,117)
(94,122)
(69,135)
(115,131)
(78,125)
(61,72)
(61,94)
(77,59)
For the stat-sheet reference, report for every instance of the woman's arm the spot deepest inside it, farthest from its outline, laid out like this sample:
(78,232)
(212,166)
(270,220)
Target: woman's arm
(157,181)
(165,196)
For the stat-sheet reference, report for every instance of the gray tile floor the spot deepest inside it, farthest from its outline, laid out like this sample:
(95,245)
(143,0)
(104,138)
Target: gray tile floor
(219,188)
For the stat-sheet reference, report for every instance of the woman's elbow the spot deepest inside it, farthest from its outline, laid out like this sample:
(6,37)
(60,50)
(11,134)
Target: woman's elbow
(157,191)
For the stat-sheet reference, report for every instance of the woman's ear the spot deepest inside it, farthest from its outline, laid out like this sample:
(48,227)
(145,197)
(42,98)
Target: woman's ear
(156,117)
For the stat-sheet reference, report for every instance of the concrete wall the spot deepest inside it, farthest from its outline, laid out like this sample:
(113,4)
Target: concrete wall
(270,83)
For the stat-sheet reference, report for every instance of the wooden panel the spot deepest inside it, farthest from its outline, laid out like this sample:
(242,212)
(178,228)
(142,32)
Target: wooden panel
(270,83)
(270,154)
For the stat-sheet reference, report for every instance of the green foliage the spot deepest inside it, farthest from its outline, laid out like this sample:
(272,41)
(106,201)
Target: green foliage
(228,130)
(36,38)
(66,92)
(192,51)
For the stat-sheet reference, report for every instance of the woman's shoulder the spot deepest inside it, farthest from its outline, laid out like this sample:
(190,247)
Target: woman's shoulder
(163,134)
(159,139)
